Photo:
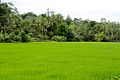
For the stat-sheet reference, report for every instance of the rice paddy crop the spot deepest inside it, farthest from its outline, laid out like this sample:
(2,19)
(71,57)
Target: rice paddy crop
(60,61)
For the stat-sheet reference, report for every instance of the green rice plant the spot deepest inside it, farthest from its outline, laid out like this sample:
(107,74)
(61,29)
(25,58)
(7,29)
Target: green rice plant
(60,61)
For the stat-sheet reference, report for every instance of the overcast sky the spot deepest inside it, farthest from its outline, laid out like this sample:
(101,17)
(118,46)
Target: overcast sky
(85,9)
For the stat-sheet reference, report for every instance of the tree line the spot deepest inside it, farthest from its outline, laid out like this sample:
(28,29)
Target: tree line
(15,27)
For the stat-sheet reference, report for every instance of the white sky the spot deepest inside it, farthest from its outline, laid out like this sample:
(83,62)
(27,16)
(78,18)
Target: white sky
(85,9)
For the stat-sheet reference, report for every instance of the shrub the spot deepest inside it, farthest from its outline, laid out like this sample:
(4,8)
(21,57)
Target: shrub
(33,39)
(30,34)
(1,37)
(100,37)
(42,37)
(59,38)
(17,38)
(16,32)
(7,39)
(24,37)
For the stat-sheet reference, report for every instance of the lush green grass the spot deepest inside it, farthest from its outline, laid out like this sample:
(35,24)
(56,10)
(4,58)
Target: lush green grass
(59,61)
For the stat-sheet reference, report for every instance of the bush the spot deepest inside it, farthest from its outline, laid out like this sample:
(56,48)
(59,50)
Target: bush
(34,39)
(100,37)
(1,37)
(42,37)
(12,36)
(4,38)
(7,38)
(24,37)
(45,37)
(30,34)
(59,38)
(16,32)
(17,38)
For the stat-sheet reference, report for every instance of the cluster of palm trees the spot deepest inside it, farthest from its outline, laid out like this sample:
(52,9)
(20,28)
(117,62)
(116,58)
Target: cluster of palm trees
(15,27)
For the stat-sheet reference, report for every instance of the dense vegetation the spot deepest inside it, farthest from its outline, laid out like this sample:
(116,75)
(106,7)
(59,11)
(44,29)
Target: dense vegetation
(60,61)
(15,27)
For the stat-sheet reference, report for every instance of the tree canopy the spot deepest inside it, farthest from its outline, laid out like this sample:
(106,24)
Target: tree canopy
(15,27)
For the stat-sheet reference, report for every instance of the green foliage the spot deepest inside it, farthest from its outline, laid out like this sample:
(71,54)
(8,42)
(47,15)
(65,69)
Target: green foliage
(34,39)
(62,30)
(68,20)
(1,37)
(59,38)
(100,37)
(46,26)
(29,14)
(17,38)
(24,37)
(116,77)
